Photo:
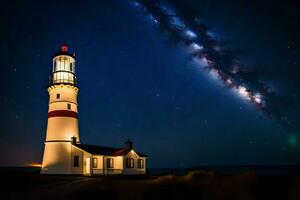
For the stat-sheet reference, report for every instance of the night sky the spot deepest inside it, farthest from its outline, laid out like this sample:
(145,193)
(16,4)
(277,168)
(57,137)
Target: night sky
(137,83)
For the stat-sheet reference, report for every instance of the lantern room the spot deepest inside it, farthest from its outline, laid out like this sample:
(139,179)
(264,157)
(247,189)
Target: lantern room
(63,71)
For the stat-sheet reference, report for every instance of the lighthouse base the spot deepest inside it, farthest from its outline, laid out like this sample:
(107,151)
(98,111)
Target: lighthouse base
(57,158)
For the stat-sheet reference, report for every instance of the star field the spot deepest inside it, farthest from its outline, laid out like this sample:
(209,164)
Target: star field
(135,83)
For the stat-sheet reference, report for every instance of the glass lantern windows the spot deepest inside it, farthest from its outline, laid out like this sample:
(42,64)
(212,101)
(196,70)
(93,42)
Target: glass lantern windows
(64,63)
(63,77)
(63,70)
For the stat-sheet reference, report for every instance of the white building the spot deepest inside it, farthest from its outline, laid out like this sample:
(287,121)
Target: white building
(64,153)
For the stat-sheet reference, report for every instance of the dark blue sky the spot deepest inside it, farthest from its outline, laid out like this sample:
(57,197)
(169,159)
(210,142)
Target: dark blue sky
(136,83)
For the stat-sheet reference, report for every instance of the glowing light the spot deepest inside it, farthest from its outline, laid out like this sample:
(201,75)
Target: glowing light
(35,165)
(190,34)
(257,98)
(201,61)
(152,18)
(214,74)
(194,47)
(229,82)
(177,22)
(242,91)
(293,140)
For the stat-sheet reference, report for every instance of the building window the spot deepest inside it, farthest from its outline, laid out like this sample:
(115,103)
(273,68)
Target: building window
(129,163)
(71,67)
(140,163)
(57,96)
(110,163)
(95,162)
(76,161)
(69,106)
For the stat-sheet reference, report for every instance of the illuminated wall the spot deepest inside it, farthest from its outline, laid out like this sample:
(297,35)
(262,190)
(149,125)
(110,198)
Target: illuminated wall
(57,158)
(135,169)
(62,126)
(62,119)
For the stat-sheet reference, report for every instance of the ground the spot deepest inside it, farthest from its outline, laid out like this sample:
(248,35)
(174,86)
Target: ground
(195,184)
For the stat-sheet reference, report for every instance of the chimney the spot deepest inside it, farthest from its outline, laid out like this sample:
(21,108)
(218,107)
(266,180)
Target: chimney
(128,144)
(73,140)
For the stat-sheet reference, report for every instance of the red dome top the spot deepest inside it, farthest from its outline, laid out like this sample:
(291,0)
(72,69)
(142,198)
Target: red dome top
(64,48)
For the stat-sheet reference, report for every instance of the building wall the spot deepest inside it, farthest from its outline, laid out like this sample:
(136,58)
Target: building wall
(85,156)
(80,153)
(99,169)
(67,93)
(135,169)
(62,106)
(57,158)
(118,165)
(62,126)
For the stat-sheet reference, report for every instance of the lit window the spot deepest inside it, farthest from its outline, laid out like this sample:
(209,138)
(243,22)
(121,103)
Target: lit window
(95,162)
(57,96)
(129,163)
(69,106)
(76,161)
(140,163)
(110,163)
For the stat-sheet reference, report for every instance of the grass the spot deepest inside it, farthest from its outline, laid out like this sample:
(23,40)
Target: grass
(193,185)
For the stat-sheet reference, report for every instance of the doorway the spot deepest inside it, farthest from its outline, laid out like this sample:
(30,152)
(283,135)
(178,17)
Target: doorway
(88,165)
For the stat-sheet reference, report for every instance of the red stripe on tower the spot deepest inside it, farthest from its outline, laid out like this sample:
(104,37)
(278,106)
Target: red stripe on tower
(62,113)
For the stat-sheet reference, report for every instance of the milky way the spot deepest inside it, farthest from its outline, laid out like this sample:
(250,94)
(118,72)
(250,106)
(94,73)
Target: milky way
(209,53)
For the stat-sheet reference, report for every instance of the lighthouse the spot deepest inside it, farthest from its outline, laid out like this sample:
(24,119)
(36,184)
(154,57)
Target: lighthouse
(62,127)
(63,152)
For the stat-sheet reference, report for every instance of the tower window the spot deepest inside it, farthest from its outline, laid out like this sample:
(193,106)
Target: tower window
(129,163)
(110,163)
(140,163)
(57,96)
(71,67)
(76,161)
(69,106)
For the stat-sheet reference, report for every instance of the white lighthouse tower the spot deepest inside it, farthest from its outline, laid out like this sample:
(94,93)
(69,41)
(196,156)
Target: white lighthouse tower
(62,128)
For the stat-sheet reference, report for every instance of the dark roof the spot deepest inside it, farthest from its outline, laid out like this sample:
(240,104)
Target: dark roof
(108,151)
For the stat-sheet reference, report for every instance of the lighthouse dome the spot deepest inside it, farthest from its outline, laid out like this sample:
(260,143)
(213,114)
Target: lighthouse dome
(63,71)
